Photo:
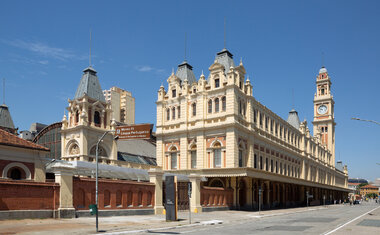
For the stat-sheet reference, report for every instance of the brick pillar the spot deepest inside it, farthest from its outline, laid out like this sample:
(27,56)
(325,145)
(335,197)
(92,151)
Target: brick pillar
(155,176)
(195,202)
(65,179)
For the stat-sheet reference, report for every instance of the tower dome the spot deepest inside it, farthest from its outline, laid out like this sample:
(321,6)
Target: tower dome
(323,70)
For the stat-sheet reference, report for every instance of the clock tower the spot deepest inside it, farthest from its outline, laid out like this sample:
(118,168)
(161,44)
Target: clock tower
(323,122)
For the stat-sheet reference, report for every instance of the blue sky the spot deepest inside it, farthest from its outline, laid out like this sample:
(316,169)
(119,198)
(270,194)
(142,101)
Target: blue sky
(44,48)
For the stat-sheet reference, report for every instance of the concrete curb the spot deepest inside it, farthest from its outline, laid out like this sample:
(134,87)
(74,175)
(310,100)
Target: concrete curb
(211,222)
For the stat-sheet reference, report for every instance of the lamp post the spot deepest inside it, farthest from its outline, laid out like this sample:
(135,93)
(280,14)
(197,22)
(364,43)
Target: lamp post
(307,198)
(96,175)
(364,120)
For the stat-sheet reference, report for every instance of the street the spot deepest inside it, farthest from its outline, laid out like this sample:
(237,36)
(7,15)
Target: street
(333,219)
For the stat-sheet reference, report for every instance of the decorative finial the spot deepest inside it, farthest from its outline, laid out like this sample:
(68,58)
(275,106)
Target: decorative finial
(202,73)
(241,60)
(172,71)
(248,78)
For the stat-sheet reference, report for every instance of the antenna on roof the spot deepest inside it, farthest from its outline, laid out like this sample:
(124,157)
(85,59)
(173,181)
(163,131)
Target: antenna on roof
(185,45)
(224,32)
(292,98)
(89,57)
(323,59)
(3,90)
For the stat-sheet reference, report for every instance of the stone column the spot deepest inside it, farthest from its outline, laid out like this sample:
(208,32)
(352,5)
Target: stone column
(195,202)
(65,180)
(155,176)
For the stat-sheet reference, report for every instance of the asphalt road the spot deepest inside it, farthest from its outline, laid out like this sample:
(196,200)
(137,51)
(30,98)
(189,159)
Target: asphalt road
(358,219)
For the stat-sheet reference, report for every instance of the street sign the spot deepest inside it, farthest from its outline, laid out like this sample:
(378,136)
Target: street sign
(139,131)
(190,188)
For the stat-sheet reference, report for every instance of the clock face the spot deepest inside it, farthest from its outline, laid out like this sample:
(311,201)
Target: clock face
(322,109)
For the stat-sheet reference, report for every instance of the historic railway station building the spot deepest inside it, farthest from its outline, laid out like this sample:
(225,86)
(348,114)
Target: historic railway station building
(214,128)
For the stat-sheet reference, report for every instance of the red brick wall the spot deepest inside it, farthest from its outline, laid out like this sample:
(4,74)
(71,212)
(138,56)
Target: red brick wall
(216,197)
(27,195)
(29,165)
(113,194)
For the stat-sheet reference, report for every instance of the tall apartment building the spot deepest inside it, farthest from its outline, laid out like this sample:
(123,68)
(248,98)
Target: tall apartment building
(122,104)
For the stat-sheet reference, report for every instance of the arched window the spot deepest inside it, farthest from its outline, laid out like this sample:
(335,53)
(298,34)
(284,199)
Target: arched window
(107,198)
(129,198)
(194,109)
(217,155)
(118,198)
(101,151)
(76,117)
(241,158)
(210,106)
(223,103)
(173,113)
(240,108)
(193,154)
(15,173)
(167,114)
(216,105)
(97,118)
(173,158)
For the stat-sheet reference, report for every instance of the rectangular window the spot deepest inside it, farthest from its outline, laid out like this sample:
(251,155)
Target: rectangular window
(271,166)
(254,115)
(217,83)
(240,158)
(174,160)
(266,164)
(194,109)
(193,159)
(261,119)
(255,161)
(174,93)
(217,158)
(280,167)
(179,111)
(266,123)
(276,167)
(261,162)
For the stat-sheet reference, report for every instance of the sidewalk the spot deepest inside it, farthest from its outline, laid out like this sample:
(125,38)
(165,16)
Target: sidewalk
(134,224)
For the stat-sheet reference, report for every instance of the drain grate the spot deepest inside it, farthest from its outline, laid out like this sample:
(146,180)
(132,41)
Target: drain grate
(370,222)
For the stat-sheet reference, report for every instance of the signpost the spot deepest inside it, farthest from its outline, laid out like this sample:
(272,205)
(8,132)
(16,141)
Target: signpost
(140,131)
(170,200)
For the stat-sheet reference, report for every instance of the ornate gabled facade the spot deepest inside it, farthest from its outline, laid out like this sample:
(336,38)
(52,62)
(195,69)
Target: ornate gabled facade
(89,116)
(215,128)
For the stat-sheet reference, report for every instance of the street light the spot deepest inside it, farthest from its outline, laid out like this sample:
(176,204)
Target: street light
(364,120)
(96,174)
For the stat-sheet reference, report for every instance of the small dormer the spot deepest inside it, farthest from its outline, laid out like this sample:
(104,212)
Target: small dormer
(174,86)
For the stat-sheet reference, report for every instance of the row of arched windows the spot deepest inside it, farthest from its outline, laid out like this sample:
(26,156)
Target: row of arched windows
(173,112)
(275,166)
(216,102)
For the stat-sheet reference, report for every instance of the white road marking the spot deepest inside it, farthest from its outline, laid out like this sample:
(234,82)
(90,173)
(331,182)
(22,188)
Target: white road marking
(336,229)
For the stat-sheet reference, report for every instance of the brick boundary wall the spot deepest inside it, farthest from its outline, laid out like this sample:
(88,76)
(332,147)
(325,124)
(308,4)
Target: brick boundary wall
(216,197)
(113,194)
(28,195)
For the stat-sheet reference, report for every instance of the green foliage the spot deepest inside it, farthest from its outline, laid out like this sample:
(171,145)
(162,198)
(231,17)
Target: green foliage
(362,184)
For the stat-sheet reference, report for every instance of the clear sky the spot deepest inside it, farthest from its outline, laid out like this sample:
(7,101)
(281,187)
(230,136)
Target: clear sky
(44,48)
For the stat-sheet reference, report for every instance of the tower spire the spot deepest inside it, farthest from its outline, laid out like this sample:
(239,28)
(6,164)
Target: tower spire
(224,32)
(3,90)
(323,59)
(185,46)
(89,57)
